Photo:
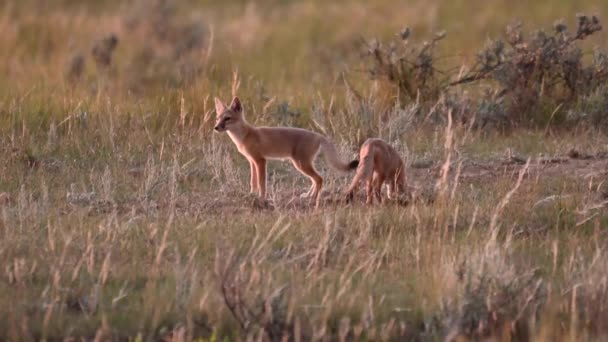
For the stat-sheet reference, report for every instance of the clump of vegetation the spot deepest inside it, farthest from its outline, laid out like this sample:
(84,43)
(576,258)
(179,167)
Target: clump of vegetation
(544,69)
(531,76)
(257,312)
(590,108)
(494,299)
(174,50)
(411,68)
(117,199)
(103,51)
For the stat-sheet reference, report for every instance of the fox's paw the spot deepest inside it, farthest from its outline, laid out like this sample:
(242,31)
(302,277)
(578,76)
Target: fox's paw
(308,193)
(305,195)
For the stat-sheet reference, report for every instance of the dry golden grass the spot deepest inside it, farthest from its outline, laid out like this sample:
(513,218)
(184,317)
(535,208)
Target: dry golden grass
(122,215)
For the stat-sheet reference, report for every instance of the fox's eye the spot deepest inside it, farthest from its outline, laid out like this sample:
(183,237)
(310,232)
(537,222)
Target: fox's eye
(227,119)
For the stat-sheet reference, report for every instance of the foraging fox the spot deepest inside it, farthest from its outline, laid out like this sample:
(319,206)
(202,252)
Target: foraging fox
(258,144)
(378,163)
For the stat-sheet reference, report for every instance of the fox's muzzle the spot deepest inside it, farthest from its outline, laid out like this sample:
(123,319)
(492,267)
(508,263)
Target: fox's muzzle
(220,128)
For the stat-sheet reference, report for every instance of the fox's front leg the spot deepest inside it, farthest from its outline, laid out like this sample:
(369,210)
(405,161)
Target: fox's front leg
(253,180)
(261,173)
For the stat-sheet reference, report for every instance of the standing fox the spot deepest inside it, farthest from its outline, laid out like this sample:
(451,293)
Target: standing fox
(379,163)
(258,144)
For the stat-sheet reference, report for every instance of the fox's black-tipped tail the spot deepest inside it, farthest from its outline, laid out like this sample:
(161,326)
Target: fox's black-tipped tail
(353,164)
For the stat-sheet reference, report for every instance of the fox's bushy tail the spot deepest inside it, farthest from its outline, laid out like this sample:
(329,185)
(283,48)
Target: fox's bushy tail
(332,158)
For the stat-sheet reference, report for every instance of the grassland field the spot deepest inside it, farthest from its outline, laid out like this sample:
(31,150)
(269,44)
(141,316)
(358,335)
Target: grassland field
(123,216)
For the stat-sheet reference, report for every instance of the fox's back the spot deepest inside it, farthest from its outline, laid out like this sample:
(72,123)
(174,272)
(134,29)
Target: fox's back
(385,158)
(285,142)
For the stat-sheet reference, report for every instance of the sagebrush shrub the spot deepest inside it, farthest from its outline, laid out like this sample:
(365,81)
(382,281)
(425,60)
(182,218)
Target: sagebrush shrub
(529,76)
(411,68)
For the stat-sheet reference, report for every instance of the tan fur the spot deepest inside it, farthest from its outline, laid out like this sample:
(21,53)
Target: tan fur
(378,163)
(259,144)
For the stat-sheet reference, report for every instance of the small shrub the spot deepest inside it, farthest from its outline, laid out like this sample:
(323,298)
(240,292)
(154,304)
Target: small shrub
(591,108)
(173,52)
(255,309)
(491,111)
(530,76)
(75,67)
(495,299)
(541,70)
(103,51)
(410,68)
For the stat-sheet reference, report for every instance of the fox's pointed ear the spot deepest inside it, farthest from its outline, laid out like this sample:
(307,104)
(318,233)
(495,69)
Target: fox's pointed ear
(219,107)
(236,105)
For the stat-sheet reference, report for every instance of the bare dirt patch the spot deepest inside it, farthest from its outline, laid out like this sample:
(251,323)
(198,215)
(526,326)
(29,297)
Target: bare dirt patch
(571,165)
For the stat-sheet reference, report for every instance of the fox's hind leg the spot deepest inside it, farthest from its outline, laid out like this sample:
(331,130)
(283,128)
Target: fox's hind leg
(308,169)
(394,187)
(377,186)
(392,192)
(308,193)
